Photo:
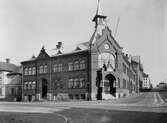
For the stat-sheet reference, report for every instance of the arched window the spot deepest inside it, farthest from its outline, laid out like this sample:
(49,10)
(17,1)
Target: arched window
(34,85)
(33,71)
(26,71)
(82,83)
(25,85)
(76,65)
(82,64)
(60,68)
(75,83)
(45,69)
(70,66)
(70,83)
(30,85)
(108,60)
(55,68)
(30,71)
(41,69)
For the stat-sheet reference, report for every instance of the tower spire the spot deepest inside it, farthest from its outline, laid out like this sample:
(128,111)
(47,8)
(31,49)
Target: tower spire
(98,12)
(99,17)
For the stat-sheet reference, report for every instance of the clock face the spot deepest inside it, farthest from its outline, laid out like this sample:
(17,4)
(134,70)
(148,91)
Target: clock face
(106,46)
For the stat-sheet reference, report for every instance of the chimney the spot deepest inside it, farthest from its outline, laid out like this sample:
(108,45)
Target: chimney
(7,60)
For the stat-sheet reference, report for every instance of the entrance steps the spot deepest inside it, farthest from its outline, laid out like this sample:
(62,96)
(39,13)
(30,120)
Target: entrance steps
(107,96)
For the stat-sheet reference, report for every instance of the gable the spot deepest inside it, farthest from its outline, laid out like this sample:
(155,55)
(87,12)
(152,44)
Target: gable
(101,42)
(43,54)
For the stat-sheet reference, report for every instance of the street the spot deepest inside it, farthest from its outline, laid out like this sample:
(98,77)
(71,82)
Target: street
(145,106)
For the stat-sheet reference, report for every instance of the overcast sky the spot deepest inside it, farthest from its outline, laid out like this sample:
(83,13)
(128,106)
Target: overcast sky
(26,25)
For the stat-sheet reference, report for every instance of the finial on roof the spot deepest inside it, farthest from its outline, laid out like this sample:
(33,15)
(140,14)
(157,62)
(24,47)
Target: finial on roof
(99,11)
(59,52)
(99,17)
(33,56)
(43,46)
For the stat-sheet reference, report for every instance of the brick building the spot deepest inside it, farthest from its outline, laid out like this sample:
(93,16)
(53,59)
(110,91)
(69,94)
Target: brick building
(97,69)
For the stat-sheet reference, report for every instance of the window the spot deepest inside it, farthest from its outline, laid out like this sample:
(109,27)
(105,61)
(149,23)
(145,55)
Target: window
(60,68)
(70,83)
(76,65)
(29,85)
(82,83)
(33,85)
(30,71)
(124,83)
(26,71)
(70,66)
(41,69)
(33,71)
(106,59)
(82,64)
(55,68)
(75,83)
(45,69)
(26,85)
(118,83)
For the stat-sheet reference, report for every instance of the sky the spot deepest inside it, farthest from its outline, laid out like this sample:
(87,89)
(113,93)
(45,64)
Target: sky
(27,25)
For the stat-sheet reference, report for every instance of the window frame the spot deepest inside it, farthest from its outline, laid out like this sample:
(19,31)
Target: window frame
(82,65)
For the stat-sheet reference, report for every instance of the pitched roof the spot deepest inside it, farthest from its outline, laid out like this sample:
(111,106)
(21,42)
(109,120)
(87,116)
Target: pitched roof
(7,67)
(83,46)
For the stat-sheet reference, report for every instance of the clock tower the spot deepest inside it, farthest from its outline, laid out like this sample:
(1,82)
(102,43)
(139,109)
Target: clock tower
(104,59)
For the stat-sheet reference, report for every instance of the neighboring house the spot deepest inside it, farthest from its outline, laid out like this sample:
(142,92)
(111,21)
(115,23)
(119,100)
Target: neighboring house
(162,85)
(97,69)
(10,81)
(146,81)
(138,67)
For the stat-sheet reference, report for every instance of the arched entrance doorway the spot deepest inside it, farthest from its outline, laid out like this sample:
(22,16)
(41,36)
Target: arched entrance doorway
(110,85)
(44,88)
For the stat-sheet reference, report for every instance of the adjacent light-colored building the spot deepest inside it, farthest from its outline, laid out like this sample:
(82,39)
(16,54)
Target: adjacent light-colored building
(10,81)
(146,81)
(162,85)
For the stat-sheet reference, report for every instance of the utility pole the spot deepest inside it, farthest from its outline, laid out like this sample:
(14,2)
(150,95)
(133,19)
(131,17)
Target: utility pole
(116,29)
